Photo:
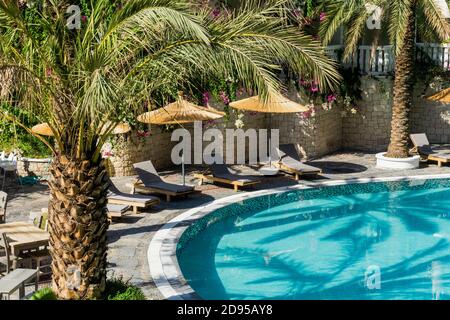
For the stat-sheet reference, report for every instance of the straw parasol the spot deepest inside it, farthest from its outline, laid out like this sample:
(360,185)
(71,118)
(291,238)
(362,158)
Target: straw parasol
(121,128)
(42,129)
(441,96)
(276,103)
(180,112)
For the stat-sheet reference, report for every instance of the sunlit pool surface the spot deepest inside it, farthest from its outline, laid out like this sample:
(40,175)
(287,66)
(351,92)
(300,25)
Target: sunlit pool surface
(361,241)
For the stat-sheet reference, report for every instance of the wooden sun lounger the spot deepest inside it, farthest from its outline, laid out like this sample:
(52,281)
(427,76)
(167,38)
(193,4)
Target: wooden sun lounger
(297,173)
(117,210)
(221,174)
(423,147)
(289,162)
(116,197)
(139,187)
(150,182)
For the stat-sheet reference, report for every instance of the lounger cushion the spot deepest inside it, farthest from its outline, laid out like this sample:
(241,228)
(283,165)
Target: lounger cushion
(147,172)
(151,179)
(117,208)
(299,166)
(420,141)
(222,171)
(441,154)
(289,158)
(135,198)
(176,188)
(115,194)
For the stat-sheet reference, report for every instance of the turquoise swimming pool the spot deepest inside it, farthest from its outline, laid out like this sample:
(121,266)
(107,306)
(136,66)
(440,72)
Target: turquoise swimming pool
(387,240)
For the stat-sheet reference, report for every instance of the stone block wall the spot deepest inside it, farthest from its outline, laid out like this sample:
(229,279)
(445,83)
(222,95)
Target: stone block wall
(432,118)
(132,149)
(329,130)
(33,167)
(317,135)
(369,128)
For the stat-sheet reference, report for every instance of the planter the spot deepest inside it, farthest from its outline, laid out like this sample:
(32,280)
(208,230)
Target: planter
(384,162)
(29,167)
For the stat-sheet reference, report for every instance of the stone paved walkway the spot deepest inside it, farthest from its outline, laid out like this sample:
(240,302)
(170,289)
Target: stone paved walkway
(129,237)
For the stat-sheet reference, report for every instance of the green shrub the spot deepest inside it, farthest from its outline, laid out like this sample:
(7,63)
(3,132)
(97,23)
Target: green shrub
(44,294)
(13,136)
(116,289)
(119,289)
(132,293)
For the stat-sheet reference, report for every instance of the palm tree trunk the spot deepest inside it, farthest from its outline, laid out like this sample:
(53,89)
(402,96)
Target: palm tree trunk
(77,224)
(403,92)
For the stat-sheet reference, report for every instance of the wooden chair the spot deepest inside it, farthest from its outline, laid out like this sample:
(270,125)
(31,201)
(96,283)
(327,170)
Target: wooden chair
(3,202)
(222,174)
(423,147)
(151,182)
(40,258)
(8,262)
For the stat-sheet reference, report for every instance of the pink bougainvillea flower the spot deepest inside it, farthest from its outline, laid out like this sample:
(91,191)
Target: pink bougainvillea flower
(314,87)
(322,16)
(48,72)
(206,97)
(83,19)
(216,12)
(224,97)
(303,83)
(331,98)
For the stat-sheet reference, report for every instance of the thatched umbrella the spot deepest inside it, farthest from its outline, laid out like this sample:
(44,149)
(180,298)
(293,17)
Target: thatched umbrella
(121,128)
(441,96)
(43,129)
(180,112)
(276,103)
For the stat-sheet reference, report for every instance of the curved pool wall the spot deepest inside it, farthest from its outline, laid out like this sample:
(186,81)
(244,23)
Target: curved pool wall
(172,239)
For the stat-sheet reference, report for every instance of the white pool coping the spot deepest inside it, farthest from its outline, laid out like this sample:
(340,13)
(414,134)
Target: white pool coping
(161,254)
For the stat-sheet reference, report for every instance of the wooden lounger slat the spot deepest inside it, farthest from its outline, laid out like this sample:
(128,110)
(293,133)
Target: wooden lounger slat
(236,183)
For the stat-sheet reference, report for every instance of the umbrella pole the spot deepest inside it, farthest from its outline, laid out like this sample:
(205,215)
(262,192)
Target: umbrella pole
(270,141)
(182,168)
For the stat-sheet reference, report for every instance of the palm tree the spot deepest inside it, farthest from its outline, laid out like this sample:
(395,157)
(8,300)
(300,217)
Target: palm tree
(401,19)
(84,82)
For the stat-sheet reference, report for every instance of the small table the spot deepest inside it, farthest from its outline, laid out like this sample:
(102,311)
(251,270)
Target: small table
(24,236)
(269,171)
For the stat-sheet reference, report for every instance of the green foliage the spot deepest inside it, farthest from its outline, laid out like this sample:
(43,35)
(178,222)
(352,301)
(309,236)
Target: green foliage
(116,289)
(119,289)
(44,294)
(82,82)
(14,137)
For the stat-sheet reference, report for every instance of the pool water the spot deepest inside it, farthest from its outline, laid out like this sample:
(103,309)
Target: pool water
(361,241)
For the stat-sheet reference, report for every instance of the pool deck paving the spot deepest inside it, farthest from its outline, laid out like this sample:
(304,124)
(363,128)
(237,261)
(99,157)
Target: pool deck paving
(129,237)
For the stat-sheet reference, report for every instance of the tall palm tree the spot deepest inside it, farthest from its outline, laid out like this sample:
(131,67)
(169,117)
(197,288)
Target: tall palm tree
(401,19)
(84,82)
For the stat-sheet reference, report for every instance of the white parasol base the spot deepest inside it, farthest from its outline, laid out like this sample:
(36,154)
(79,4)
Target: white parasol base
(384,162)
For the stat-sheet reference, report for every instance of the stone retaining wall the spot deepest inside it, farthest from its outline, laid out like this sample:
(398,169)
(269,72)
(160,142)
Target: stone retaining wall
(317,136)
(367,130)
(33,167)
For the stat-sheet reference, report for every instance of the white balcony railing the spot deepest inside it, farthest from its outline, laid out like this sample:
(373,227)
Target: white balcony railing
(380,60)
